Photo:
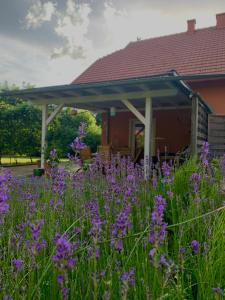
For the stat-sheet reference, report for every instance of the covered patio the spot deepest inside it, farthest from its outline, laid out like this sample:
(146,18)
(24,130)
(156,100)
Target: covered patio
(142,97)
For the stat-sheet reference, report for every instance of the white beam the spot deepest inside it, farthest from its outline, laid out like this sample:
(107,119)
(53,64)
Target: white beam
(134,110)
(147,144)
(43,134)
(106,97)
(54,113)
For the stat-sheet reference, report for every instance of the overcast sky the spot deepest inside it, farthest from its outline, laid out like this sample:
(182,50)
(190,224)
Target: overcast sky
(51,42)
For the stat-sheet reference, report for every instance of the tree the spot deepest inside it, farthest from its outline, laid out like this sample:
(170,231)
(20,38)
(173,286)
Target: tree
(64,129)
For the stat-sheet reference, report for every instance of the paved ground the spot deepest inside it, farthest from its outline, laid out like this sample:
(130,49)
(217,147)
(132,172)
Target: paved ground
(28,169)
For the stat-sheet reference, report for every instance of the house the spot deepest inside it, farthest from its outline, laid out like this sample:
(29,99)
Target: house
(162,94)
(196,51)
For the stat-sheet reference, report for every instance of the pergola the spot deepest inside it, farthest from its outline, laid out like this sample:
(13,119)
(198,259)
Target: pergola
(139,95)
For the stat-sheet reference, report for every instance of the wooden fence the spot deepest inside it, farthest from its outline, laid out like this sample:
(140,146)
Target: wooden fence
(216,135)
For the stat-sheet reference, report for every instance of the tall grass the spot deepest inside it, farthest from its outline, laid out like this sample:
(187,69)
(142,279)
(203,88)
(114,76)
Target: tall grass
(104,217)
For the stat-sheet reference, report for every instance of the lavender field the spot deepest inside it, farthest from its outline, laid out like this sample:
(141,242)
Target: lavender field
(106,233)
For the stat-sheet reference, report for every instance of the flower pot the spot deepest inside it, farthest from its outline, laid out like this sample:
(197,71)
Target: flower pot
(38,172)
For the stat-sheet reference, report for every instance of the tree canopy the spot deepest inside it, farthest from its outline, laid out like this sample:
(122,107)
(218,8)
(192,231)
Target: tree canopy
(20,128)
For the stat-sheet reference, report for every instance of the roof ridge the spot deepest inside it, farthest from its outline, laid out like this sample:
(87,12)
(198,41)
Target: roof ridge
(171,34)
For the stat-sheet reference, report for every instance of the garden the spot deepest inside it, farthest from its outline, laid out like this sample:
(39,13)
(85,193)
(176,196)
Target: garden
(106,233)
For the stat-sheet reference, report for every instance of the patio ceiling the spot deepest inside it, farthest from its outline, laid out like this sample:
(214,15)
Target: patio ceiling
(101,96)
(166,91)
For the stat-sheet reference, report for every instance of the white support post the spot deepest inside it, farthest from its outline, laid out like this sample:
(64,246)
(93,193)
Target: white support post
(43,134)
(147,145)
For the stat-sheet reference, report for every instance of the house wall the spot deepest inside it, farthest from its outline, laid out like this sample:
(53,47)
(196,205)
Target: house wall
(173,127)
(213,92)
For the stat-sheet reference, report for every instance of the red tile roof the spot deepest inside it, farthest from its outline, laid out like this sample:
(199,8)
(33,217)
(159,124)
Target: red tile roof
(188,53)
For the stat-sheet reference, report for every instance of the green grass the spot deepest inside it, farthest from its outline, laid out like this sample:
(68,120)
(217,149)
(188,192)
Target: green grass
(18,160)
(187,275)
(6,160)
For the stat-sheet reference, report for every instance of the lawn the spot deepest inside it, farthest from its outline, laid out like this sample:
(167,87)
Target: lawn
(17,160)
(106,233)
(7,160)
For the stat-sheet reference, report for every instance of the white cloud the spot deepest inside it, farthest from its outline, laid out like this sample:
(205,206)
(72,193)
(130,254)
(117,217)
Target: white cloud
(21,61)
(72,26)
(39,13)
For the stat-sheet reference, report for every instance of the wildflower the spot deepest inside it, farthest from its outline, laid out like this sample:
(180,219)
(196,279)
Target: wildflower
(166,169)
(218,291)
(35,229)
(4,191)
(130,178)
(36,244)
(77,144)
(128,277)
(128,280)
(65,293)
(63,250)
(167,173)
(182,250)
(195,245)
(17,264)
(120,228)
(152,253)
(82,129)
(204,154)
(222,165)
(60,279)
(163,261)
(53,153)
(195,180)
(170,194)
(158,227)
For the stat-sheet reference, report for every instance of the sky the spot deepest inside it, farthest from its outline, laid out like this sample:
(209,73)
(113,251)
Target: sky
(51,42)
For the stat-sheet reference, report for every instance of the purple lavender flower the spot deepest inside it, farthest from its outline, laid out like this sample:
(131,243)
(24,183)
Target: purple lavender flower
(53,154)
(204,154)
(195,180)
(5,178)
(63,249)
(222,165)
(130,178)
(82,129)
(152,253)
(60,279)
(182,250)
(36,244)
(17,264)
(120,228)
(65,293)
(167,173)
(218,291)
(128,277)
(77,144)
(158,227)
(170,194)
(195,245)
(35,229)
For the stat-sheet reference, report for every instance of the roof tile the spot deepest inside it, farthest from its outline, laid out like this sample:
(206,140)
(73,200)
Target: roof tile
(200,52)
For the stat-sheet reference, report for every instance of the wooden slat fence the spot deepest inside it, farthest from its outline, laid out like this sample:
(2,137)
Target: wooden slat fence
(202,128)
(216,135)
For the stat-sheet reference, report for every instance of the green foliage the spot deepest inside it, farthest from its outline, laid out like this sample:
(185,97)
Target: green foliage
(64,129)
(20,127)
(20,130)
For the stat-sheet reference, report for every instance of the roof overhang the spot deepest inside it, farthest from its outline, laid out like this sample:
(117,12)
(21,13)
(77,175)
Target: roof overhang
(166,90)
